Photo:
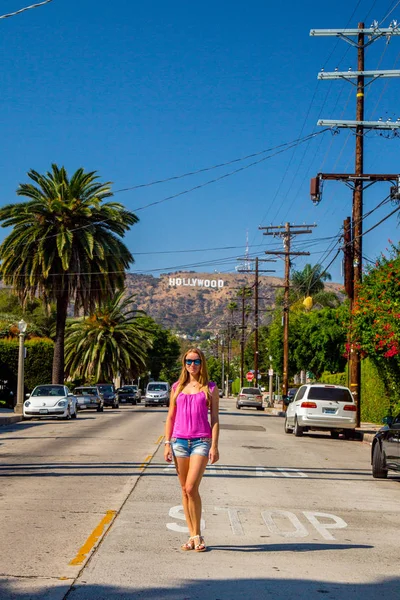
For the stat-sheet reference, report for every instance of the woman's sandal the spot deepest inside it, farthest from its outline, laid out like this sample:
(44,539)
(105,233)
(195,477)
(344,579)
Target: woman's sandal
(189,545)
(200,546)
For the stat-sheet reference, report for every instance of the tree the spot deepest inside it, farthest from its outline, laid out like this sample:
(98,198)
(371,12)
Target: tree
(376,320)
(162,357)
(65,245)
(111,341)
(310,280)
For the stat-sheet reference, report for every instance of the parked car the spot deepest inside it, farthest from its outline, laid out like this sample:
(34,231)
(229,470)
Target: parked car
(107,392)
(319,406)
(250,397)
(128,393)
(385,451)
(88,397)
(157,394)
(50,401)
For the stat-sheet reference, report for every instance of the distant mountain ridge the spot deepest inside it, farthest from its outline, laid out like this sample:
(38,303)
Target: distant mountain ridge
(189,302)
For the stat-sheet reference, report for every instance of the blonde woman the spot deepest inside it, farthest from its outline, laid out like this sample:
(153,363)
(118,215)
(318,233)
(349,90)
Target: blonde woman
(190,440)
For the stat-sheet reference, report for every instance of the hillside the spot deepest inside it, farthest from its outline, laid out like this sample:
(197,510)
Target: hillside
(183,301)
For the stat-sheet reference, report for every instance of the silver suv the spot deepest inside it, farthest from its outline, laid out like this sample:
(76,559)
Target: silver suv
(320,406)
(157,394)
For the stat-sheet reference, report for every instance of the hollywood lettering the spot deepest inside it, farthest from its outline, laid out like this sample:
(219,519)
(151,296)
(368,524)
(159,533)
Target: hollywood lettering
(194,282)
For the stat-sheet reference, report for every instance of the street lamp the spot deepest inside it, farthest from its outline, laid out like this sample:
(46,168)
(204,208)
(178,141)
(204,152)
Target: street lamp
(21,357)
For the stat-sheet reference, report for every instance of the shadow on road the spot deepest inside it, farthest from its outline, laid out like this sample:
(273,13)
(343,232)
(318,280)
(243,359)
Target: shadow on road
(263,588)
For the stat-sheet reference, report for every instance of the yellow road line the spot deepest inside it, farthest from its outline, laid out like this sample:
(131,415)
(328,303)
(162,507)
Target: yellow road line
(93,538)
(159,439)
(146,461)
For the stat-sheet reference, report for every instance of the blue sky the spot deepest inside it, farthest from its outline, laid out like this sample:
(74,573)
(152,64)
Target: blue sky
(142,91)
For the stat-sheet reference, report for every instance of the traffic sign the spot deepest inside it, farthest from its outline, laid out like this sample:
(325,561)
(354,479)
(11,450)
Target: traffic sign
(270,372)
(249,376)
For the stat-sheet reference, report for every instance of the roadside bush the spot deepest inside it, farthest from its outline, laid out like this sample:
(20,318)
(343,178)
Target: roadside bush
(375,403)
(38,366)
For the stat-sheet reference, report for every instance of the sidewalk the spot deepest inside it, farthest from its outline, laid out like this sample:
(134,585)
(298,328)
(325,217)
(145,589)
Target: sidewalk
(8,416)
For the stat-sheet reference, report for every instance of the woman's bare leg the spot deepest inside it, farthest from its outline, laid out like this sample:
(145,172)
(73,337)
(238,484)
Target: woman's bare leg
(197,466)
(182,468)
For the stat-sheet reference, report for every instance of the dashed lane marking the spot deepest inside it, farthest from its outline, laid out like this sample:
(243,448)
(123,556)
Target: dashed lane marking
(160,439)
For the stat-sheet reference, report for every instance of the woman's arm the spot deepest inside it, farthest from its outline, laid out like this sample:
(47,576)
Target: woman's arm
(169,426)
(214,453)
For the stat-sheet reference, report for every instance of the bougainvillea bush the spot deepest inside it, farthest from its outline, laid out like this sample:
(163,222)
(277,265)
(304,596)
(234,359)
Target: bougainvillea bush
(376,320)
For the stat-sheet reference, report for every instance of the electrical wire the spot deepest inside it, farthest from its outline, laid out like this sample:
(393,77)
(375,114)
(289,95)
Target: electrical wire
(21,10)
(389,13)
(205,169)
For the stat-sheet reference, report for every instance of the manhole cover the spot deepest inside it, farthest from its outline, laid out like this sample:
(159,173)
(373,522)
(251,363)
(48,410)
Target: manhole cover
(243,427)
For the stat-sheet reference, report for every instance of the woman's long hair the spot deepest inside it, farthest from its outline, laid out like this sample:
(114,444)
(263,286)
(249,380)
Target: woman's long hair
(203,374)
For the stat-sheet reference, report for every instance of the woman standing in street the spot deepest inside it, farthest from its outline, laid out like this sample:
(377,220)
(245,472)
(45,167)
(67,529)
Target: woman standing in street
(190,439)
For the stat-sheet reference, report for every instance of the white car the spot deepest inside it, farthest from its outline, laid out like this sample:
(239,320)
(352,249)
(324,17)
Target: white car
(50,401)
(322,407)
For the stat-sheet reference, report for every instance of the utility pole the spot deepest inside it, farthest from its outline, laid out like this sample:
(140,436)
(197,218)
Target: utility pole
(356,38)
(257,272)
(286,235)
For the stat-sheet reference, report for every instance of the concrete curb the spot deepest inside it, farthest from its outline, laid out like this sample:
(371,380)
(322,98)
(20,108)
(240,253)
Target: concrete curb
(10,419)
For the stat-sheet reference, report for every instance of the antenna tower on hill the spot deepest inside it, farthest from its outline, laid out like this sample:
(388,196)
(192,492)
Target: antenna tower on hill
(246,264)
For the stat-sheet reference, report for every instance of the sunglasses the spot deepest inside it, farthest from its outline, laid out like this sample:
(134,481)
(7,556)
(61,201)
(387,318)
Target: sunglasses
(195,361)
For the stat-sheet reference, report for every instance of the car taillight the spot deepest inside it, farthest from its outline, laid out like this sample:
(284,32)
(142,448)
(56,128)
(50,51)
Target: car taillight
(242,395)
(351,407)
(308,405)
(259,397)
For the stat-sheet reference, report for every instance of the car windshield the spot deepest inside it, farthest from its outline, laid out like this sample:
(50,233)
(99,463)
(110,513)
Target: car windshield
(85,391)
(251,391)
(328,393)
(157,387)
(49,390)
(126,388)
(109,388)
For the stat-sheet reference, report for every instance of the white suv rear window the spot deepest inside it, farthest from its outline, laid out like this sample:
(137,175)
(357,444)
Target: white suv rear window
(327,393)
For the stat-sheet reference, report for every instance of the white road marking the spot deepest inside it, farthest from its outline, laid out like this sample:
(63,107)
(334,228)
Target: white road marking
(176,512)
(322,528)
(269,517)
(233,514)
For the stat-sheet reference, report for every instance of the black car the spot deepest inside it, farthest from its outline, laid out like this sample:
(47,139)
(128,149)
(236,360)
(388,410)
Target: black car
(128,393)
(385,452)
(107,392)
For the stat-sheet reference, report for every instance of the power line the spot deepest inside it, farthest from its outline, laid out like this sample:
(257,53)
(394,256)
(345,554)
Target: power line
(21,10)
(205,169)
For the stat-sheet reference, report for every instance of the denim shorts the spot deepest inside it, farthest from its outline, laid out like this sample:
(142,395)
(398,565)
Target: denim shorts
(184,448)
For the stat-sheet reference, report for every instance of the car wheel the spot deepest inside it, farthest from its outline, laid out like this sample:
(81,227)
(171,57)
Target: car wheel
(99,409)
(74,414)
(287,428)
(348,434)
(379,470)
(334,434)
(237,406)
(298,431)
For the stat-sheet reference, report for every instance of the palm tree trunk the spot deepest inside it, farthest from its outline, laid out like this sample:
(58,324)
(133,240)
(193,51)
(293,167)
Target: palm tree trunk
(58,357)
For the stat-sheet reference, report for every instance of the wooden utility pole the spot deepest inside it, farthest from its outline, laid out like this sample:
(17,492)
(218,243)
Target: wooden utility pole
(359,180)
(286,235)
(257,272)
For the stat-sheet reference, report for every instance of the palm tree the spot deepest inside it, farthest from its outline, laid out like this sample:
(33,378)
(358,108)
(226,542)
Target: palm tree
(65,245)
(310,280)
(110,341)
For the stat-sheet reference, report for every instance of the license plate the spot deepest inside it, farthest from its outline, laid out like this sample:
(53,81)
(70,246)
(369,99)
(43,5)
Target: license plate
(329,411)
(43,411)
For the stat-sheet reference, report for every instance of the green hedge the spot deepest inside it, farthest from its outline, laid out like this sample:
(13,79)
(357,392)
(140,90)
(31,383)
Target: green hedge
(375,402)
(38,366)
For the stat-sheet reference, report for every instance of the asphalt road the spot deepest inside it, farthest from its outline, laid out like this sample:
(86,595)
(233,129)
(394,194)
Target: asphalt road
(88,509)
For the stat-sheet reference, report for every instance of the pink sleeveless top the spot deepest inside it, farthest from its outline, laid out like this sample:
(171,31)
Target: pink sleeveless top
(191,417)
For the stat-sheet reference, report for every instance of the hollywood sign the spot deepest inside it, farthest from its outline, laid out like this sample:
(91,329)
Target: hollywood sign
(194,282)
